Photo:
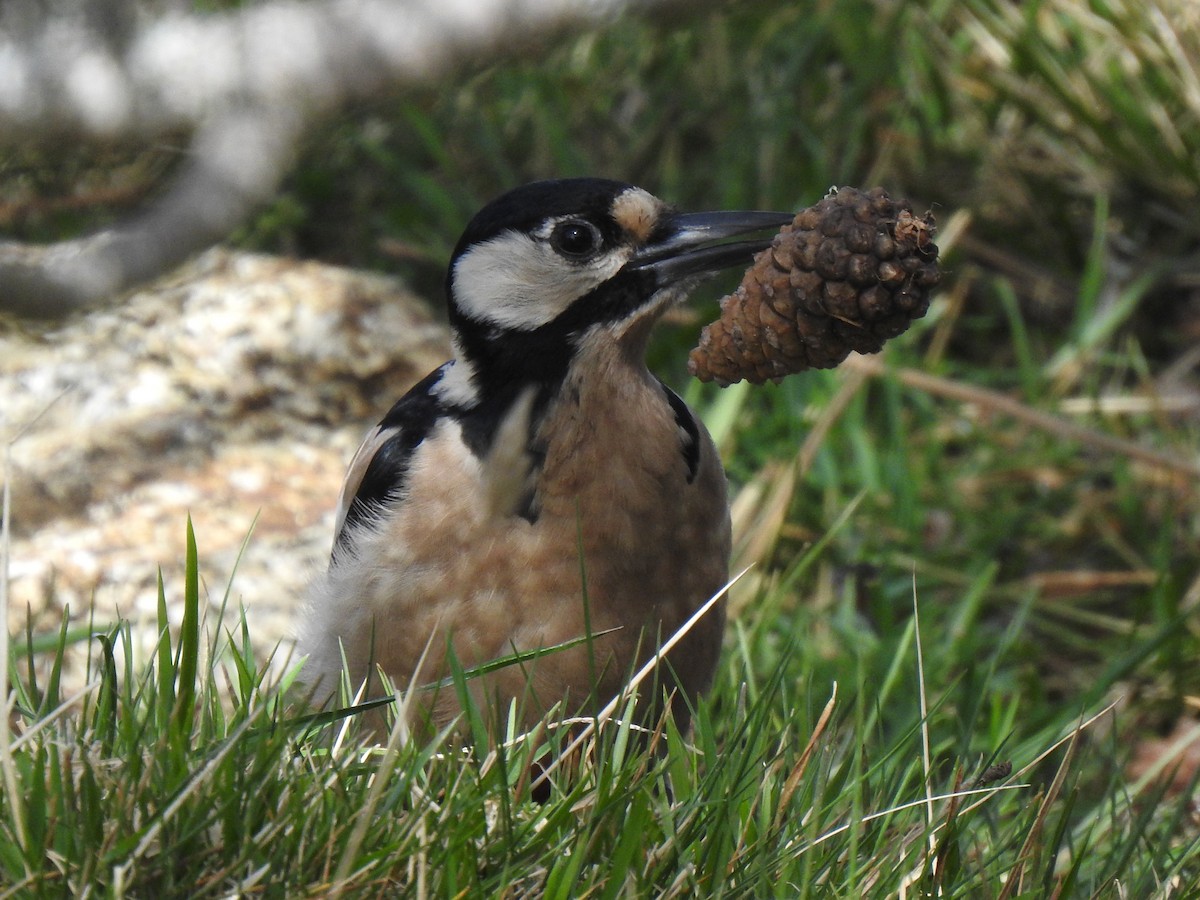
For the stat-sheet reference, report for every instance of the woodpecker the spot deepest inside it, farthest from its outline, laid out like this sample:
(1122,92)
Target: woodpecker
(542,486)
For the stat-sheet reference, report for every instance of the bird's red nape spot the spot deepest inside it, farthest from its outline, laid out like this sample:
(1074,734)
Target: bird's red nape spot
(637,212)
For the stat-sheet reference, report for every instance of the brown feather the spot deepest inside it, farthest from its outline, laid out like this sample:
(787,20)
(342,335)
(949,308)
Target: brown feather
(613,485)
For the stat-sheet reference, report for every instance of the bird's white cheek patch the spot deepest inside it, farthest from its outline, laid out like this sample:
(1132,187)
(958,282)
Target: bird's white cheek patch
(515,281)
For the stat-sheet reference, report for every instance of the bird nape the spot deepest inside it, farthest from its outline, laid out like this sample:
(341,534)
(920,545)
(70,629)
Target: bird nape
(542,488)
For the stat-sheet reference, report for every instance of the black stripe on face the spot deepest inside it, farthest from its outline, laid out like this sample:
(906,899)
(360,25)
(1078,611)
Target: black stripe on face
(505,360)
(689,432)
(616,300)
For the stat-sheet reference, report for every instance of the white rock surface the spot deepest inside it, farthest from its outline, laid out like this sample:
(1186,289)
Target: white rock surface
(236,391)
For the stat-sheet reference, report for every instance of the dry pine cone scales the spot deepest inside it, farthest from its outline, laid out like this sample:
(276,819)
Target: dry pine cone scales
(846,274)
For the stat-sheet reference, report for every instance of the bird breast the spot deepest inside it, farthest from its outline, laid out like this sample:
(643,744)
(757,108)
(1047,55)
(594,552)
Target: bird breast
(624,537)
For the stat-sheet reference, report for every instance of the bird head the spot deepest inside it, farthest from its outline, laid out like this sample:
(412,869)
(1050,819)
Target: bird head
(549,266)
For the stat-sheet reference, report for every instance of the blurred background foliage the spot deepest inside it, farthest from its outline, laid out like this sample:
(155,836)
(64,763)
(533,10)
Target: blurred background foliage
(1023,114)
(1058,144)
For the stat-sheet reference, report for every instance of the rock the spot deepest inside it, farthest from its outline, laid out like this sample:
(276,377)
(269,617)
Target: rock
(235,390)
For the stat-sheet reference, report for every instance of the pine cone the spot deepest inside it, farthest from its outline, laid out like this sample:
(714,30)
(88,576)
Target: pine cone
(846,274)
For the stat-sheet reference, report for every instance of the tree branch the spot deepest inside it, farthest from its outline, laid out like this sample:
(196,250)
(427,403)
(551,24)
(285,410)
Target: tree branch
(247,81)
(69,76)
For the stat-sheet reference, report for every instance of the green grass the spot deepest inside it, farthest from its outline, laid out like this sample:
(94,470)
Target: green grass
(810,773)
(1015,473)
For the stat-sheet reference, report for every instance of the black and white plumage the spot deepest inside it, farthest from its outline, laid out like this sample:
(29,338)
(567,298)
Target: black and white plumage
(542,482)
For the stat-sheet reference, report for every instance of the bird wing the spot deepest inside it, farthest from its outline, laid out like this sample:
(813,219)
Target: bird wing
(689,431)
(375,439)
(380,466)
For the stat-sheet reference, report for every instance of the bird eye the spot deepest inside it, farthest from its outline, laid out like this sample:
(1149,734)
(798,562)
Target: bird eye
(575,239)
